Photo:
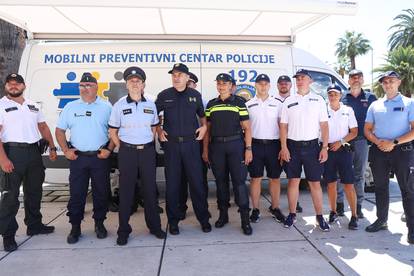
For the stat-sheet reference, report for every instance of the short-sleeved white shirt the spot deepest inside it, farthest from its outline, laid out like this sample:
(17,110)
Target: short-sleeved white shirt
(264,117)
(303,115)
(340,122)
(20,121)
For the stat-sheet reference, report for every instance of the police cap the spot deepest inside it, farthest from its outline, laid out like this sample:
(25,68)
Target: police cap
(134,71)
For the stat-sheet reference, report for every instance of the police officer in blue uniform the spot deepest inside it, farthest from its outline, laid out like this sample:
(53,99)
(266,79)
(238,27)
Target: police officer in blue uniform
(22,125)
(359,100)
(390,127)
(228,117)
(181,133)
(88,152)
(132,129)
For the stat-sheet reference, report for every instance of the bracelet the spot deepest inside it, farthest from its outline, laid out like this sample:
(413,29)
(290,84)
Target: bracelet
(248,148)
(53,149)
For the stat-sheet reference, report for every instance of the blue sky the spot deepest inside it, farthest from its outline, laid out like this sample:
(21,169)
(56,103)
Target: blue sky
(373,19)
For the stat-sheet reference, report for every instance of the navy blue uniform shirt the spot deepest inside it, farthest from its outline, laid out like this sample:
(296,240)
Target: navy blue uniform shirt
(360,106)
(180,110)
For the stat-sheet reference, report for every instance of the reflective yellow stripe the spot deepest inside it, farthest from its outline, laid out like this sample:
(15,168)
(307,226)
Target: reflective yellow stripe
(243,113)
(224,108)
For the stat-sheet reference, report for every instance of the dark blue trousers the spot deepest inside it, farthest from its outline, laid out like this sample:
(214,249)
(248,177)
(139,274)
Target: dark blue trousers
(83,169)
(184,157)
(230,155)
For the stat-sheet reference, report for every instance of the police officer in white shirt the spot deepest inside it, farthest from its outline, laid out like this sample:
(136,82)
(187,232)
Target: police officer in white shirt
(22,125)
(343,127)
(284,85)
(303,119)
(264,114)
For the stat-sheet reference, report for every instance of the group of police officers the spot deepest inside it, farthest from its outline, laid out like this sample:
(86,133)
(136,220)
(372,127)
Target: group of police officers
(285,132)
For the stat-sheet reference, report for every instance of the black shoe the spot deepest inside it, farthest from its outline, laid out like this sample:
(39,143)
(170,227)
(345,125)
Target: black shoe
(321,222)
(74,234)
(160,234)
(340,211)
(403,218)
(410,237)
(277,214)
(122,240)
(245,222)
(359,211)
(332,217)
(377,226)
(222,220)
(299,208)
(290,220)
(43,229)
(247,229)
(206,227)
(174,230)
(255,216)
(100,230)
(9,243)
(159,209)
(353,223)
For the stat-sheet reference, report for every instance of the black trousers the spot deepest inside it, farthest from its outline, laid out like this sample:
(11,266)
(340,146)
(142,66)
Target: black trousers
(230,155)
(83,169)
(134,162)
(29,170)
(401,162)
(184,157)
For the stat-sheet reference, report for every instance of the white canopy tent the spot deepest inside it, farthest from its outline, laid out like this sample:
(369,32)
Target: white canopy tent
(258,20)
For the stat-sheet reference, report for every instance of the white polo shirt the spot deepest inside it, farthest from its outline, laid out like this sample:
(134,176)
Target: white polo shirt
(264,117)
(340,122)
(280,98)
(303,115)
(19,121)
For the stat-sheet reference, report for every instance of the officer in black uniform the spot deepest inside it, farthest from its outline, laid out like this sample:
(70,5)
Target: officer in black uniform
(132,129)
(22,124)
(181,133)
(228,117)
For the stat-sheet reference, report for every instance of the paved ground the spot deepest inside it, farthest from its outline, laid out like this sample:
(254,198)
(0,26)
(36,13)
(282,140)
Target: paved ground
(271,250)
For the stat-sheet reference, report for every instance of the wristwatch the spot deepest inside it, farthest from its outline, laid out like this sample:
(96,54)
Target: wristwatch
(248,148)
(395,142)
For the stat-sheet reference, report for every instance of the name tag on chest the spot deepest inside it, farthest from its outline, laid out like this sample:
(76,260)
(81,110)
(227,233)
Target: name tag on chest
(11,109)
(127,111)
(398,108)
(293,104)
(148,111)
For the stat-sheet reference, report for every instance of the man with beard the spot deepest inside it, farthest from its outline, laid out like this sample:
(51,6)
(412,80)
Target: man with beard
(22,125)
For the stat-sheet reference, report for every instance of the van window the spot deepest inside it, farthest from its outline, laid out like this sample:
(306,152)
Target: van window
(321,81)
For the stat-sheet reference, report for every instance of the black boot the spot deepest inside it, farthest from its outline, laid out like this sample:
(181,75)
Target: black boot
(9,243)
(340,209)
(245,222)
(359,211)
(74,234)
(223,218)
(100,230)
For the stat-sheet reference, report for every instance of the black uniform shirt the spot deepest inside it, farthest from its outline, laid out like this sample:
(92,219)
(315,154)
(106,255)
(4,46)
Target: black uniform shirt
(180,110)
(225,116)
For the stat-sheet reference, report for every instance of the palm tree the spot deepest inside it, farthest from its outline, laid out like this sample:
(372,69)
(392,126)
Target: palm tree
(400,60)
(12,41)
(404,34)
(351,45)
(342,66)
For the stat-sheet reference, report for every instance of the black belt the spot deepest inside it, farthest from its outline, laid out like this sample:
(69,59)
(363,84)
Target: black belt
(264,141)
(180,139)
(20,145)
(222,139)
(138,147)
(303,144)
(87,153)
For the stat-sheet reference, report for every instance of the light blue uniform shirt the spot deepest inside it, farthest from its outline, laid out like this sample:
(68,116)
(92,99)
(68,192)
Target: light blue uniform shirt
(134,120)
(391,118)
(87,123)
